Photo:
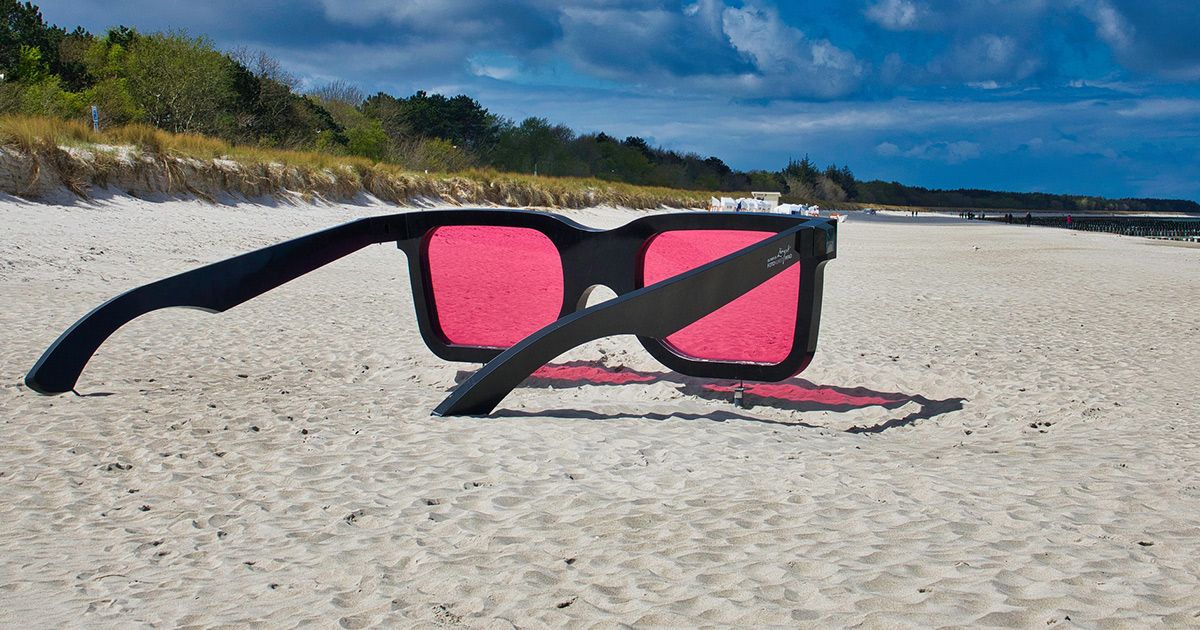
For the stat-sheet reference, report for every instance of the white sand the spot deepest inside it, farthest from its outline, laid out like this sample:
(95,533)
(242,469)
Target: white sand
(277,463)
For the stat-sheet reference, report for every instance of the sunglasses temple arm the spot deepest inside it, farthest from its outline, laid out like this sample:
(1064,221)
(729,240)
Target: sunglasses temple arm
(212,288)
(654,311)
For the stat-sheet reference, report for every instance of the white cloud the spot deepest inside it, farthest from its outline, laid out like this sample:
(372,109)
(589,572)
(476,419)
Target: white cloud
(1125,87)
(887,149)
(894,15)
(996,49)
(986,60)
(763,37)
(785,56)
(1162,108)
(368,12)
(949,152)
(1111,25)
(500,69)
(962,150)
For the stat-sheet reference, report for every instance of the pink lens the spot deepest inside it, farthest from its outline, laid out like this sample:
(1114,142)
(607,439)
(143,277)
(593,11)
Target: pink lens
(758,327)
(493,285)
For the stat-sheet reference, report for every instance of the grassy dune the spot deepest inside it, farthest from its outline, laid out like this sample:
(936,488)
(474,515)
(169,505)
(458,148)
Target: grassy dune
(43,155)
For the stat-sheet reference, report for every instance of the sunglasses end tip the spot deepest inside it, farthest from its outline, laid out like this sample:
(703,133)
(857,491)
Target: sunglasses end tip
(36,384)
(453,407)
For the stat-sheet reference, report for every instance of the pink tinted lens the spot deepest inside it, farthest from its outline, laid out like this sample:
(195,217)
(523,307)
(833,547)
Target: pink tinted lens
(493,285)
(758,327)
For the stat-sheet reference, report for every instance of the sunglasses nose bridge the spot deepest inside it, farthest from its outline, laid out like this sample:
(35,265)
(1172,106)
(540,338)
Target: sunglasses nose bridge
(599,259)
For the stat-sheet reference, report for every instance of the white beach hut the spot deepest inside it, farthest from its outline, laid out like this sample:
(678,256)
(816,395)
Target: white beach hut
(770,200)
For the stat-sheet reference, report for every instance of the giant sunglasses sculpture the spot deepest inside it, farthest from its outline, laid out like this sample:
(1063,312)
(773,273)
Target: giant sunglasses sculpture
(735,296)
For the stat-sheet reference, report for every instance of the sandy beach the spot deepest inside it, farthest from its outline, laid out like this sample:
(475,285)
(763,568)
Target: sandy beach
(999,429)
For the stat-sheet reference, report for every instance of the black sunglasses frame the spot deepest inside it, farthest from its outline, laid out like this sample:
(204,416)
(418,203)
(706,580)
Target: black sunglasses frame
(621,251)
(650,312)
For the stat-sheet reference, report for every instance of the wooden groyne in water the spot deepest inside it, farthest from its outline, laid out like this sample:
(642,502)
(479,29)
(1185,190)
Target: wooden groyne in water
(1178,229)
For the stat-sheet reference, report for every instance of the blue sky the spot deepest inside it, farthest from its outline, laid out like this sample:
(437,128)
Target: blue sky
(1071,96)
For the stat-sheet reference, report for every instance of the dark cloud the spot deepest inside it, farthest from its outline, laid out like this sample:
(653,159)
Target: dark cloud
(1153,37)
(518,25)
(1021,39)
(651,42)
(708,47)
(274,21)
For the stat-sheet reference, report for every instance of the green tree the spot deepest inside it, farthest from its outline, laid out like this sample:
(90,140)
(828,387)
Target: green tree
(47,98)
(112,98)
(21,25)
(105,58)
(436,154)
(801,178)
(622,162)
(30,67)
(105,84)
(367,139)
(70,64)
(766,181)
(641,145)
(847,182)
(122,35)
(461,119)
(389,111)
(180,83)
(535,146)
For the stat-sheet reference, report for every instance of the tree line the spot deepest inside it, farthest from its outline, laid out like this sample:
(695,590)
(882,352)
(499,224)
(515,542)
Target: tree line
(893,193)
(184,84)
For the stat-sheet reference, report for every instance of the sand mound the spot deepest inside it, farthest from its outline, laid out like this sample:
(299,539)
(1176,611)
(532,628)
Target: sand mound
(41,171)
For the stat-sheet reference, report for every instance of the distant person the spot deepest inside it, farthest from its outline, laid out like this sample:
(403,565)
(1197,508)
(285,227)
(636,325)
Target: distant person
(739,206)
(1028,219)
(1068,221)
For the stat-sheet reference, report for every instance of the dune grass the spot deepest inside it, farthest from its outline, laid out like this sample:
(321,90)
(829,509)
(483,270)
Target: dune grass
(200,165)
